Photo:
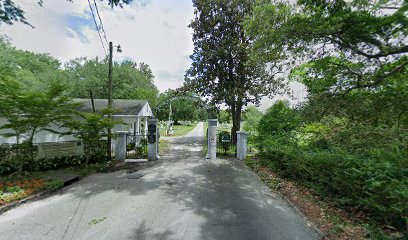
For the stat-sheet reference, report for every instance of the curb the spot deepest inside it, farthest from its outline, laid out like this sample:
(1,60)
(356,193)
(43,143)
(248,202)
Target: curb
(36,196)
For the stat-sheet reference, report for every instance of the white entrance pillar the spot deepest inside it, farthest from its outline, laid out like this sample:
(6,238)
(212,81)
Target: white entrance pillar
(211,123)
(120,146)
(242,144)
(152,139)
(212,143)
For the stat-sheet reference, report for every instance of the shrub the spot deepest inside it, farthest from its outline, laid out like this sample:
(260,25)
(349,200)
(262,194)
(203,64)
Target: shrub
(252,116)
(377,185)
(278,119)
(54,185)
(357,166)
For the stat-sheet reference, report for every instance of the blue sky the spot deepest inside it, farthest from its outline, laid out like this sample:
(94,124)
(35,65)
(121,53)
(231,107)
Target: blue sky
(76,24)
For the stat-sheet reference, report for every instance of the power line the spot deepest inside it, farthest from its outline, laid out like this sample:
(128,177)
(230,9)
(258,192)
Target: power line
(96,25)
(100,21)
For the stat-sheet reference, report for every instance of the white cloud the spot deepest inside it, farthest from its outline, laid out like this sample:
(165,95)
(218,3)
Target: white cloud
(153,32)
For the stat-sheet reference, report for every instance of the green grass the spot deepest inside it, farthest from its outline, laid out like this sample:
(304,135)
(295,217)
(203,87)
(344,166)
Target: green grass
(179,130)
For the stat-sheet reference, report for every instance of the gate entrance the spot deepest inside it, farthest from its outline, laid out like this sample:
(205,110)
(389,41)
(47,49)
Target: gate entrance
(225,147)
(136,146)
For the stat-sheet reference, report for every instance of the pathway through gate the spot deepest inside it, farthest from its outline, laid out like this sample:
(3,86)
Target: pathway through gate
(183,196)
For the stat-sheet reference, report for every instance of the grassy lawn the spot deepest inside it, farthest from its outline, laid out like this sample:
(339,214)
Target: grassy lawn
(179,130)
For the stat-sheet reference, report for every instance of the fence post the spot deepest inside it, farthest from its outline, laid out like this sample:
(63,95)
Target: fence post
(242,144)
(211,123)
(158,143)
(152,139)
(120,146)
(212,143)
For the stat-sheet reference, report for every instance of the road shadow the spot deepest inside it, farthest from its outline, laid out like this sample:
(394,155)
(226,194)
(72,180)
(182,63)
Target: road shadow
(222,199)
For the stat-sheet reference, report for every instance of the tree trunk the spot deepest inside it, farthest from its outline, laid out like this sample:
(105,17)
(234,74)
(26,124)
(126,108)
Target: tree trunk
(236,121)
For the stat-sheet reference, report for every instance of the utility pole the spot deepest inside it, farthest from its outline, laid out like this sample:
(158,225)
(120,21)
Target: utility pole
(110,104)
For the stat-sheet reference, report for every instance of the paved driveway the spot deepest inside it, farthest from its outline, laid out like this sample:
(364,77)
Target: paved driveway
(184,196)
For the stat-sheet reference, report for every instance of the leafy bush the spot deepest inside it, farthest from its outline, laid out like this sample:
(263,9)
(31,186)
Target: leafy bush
(251,117)
(59,162)
(279,118)
(54,185)
(377,185)
(357,166)
(8,166)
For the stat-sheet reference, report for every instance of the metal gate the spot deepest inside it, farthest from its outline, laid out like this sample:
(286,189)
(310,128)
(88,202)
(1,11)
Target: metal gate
(225,147)
(136,146)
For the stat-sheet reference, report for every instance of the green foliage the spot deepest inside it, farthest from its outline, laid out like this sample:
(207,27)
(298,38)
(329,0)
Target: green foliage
(348,141)
(56,163)
(221,70)
(185,107)
(14,157)
(251,118)
(8,166)
(130,80)
(354,165)
(54,185)
(278,119)
(32,92)
(224,116)
(91,128)
(33,111)
(368,40)
(376,185)
(14,189)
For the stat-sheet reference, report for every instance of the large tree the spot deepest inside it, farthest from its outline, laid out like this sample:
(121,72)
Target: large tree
(351,55)
(355,44)
(184,106)
(130,80)
(32,91)
(221,70)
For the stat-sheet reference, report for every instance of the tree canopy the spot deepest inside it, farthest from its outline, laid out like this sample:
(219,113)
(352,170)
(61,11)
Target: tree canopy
(184,107)
(352,44)
(130,80)
(36,91)
(351,55)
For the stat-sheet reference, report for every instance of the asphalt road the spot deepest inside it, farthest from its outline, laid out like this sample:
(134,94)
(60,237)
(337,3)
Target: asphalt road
(184,196)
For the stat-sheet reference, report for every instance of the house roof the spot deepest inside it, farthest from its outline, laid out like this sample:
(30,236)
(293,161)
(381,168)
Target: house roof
(121,106)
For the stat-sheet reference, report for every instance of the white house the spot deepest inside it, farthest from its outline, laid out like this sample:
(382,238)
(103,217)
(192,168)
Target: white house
(132,112)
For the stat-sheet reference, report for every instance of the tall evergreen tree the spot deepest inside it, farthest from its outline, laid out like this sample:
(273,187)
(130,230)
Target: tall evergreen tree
(221,68)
